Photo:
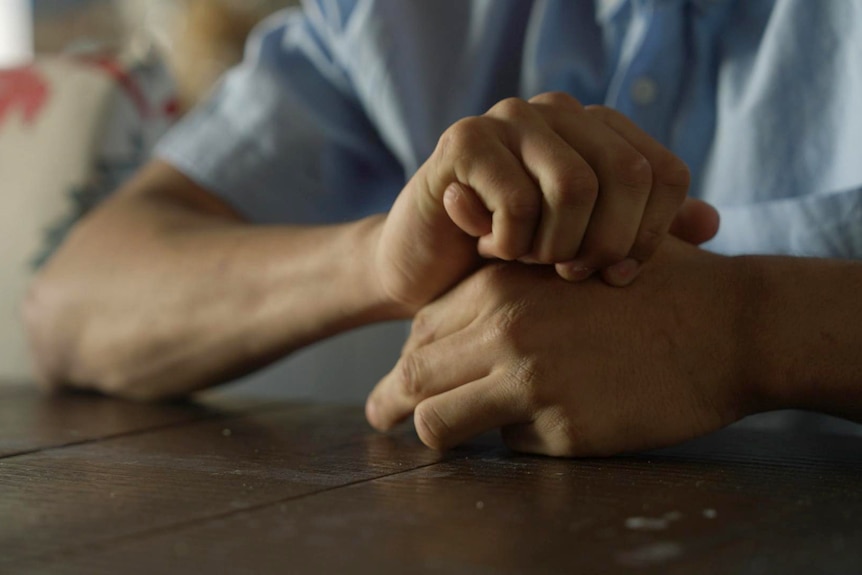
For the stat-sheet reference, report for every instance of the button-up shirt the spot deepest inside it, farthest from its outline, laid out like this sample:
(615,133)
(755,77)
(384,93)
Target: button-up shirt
(336,106)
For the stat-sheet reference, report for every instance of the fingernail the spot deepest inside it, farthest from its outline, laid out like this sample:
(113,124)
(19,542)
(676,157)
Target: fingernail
(451,193)
(623,273)
(574,271)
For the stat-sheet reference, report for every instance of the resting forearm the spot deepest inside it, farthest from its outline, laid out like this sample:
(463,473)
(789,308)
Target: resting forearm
(147,300)
(806,323)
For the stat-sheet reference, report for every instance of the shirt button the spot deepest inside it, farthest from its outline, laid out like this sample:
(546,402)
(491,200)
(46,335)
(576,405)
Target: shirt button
(644,91)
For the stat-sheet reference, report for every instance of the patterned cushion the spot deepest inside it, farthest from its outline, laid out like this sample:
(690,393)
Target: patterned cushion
(71,130)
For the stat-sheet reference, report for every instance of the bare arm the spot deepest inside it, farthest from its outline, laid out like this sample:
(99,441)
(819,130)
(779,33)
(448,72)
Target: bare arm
(806,332)
(165,289)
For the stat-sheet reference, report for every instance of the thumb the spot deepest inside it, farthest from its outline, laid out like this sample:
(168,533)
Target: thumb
(696,222)
(466,210)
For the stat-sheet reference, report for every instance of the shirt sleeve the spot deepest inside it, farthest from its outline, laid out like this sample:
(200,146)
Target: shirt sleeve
(283,138)
(827,225)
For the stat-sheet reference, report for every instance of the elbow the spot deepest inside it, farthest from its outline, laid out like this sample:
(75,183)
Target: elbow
(68,349)
(55,326)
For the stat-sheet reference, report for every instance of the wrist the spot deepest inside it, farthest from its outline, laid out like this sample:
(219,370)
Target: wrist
(732,336)
(772,369)
(381,304)
(805,332)
(754,375)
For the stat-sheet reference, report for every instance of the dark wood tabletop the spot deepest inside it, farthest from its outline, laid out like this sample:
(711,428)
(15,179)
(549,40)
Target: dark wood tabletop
(94,485)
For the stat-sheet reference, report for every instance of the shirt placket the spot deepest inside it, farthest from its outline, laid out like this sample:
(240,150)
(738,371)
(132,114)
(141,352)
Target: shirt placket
(646,84)
(665,80)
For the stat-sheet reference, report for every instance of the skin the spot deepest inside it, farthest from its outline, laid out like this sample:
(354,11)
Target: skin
(524,179)
(699,341)
(165,289)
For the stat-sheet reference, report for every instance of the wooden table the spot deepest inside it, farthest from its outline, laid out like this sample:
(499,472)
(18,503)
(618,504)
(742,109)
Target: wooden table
(92,485)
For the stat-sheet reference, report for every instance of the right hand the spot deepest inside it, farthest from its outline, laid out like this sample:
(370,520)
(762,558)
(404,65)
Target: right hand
(546,181)
(580,370)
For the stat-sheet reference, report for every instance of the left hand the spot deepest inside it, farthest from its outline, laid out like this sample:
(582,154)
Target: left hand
(576,369)
(545,181)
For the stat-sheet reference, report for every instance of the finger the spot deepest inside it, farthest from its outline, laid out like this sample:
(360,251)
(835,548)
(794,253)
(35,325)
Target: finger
(625,180)
(549,433)
(525,438)
(544,435)
(425,372)
(696,222)
(568,184)
(452,312)
(446,420)
(670,183)
(569,192)
(472,152)
(466,210)
(559,100)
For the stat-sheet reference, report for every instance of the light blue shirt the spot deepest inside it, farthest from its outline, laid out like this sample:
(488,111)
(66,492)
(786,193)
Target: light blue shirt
(335,107)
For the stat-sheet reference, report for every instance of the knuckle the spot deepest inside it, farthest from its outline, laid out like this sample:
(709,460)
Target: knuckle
(600,112)
(431,427)
(523,206)
(507,322)
(673,173)
(524,379)
(410,375)
(573,188)
(463,135)
(565,437)
(422,329)
(557,99)
(511,109)
(633,171)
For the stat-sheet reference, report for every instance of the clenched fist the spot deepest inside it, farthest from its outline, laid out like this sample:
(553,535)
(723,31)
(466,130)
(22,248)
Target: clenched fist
(541,181)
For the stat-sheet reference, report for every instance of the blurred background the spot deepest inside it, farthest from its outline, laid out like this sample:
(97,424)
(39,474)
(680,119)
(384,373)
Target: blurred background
(87,87)
(198,39)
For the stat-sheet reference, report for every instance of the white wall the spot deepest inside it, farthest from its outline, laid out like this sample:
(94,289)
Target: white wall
(16,32)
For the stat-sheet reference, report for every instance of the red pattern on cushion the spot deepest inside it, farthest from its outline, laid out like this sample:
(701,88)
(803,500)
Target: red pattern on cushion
(22,88)
(124,79)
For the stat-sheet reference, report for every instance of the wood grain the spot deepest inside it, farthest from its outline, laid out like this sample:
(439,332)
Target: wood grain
(86,494)
(738,503)
(310,489)
(30,420)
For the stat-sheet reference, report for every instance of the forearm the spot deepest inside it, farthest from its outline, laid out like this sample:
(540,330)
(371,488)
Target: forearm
(806,322)
(148,299)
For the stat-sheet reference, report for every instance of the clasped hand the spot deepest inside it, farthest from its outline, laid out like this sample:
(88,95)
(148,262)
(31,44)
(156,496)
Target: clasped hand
(580,369)
(541,182)
(546,181)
